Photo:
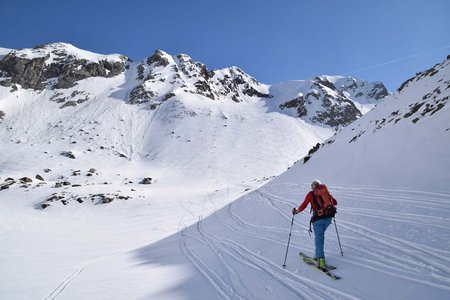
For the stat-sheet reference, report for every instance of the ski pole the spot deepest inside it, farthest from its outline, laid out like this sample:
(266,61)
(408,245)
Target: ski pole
(289,240)
(339,240)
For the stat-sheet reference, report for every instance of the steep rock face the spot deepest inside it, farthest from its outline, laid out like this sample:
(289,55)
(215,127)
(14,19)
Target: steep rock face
(334,101)
(162,76)
(360,90)
(56,66)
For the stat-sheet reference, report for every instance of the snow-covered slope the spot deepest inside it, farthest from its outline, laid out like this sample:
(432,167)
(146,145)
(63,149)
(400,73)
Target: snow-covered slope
(81,134)
(166,117)
(407,135)
(389,171)
(4,51)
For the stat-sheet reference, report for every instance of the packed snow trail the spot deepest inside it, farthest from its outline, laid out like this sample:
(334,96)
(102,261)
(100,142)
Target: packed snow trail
(405,242)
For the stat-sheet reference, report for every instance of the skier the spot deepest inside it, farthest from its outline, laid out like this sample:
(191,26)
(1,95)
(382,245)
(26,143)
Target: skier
(322,205)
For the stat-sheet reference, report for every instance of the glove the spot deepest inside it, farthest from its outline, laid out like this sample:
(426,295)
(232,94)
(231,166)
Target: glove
(294,211)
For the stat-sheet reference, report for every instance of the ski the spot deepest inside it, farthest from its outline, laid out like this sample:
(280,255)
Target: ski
(310,261)
(304,256)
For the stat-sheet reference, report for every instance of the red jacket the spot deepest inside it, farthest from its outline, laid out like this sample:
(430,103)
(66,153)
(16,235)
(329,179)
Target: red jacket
(309,199)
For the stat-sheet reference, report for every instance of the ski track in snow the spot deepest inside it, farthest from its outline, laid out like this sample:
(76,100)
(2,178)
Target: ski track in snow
(56,292)
(377,251)
(243,257)
(64,283)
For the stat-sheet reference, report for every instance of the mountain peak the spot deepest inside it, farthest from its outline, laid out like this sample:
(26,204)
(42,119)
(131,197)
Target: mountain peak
(57,52)
(162,76)
(34,67)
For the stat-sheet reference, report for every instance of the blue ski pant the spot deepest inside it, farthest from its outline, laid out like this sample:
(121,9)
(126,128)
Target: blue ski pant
(319,227)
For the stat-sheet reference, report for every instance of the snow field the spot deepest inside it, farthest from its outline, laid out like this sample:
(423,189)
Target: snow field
(240,249)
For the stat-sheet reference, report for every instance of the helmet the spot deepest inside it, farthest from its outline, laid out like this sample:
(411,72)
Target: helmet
(315,183)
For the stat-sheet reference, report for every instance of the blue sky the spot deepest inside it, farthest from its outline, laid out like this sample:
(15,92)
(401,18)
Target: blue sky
(272,40)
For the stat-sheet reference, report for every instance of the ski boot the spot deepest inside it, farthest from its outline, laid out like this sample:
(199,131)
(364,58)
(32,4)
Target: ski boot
(322,264)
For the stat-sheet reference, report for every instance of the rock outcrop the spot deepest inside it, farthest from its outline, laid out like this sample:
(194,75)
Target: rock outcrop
(333,101)
(164,76)
(56,66)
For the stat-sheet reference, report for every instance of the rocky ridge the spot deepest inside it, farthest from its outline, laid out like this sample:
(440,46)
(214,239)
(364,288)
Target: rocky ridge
(162,76)
(56,66)
(429,102)
(330,101)
(335,101)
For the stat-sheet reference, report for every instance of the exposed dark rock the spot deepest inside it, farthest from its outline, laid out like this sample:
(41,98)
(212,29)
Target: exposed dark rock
(45,205)
(107,200)
(2,115)
(26,72)
(299,103)
(66,197)
(314,149)
(159,59)
(250,91)
(76,173)
(414,109)
(204,89)
(14,88)
(62,183)
(121,155)
(325,82)
(54,197)
(378,92)
(68,154)
(168,96)
(39,177)
(33,73)
(146,180)
(141,95)
(69,104)
(140,71)
(26,180)
(338,116)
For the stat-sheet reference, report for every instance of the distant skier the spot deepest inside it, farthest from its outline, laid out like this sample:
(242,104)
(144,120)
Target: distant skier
(323,208)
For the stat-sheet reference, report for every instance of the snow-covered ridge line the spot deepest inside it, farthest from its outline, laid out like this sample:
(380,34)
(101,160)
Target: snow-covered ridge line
(55,51)
(4,52)
(408,127)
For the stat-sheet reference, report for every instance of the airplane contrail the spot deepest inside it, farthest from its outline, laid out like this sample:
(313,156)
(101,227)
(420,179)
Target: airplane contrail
(395,60)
